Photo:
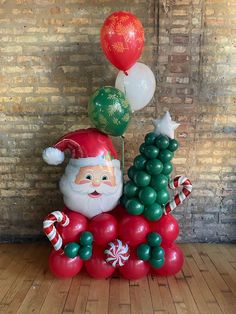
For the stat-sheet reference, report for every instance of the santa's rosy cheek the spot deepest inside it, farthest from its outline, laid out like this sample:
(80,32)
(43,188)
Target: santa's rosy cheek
(83,181)
(108,183)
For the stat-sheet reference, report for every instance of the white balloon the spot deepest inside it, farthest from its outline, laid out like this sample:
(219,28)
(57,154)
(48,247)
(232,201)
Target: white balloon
(138,86)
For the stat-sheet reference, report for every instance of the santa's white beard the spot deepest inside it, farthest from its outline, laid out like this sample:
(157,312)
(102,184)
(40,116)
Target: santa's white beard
(76,197)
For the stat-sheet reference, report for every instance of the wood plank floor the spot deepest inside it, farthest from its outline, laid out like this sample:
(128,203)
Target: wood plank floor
(206,284)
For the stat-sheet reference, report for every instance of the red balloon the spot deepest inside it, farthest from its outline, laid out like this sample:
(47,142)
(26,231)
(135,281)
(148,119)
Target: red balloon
(174,260)
(167,227)
(134,268)
(78,223)
(64,267)
(133,229)
(96,266)
(104,228)
(118,212)
(122,39)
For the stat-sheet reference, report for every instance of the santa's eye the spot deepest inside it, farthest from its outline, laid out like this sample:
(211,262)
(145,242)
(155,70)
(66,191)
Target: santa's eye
(104,178)
(89,177)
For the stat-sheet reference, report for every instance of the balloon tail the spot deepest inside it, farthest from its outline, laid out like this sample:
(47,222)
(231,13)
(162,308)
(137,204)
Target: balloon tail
(126,73)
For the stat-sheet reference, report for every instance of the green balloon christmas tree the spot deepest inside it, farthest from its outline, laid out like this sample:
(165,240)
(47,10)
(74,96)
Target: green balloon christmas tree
(146,193)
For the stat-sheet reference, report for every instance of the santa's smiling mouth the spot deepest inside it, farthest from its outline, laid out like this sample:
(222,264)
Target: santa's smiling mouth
(95,194)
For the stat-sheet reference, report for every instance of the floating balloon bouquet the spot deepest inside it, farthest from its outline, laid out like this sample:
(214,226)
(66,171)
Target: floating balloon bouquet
(106,226)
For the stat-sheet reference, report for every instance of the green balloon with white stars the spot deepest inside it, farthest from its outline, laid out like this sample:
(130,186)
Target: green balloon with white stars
(109,110)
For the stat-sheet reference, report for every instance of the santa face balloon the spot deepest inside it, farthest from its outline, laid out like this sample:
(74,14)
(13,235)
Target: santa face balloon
(92,183)
(91,190)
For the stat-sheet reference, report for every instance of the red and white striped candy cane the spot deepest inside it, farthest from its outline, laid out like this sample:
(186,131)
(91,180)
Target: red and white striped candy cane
(180,197)
(51,231)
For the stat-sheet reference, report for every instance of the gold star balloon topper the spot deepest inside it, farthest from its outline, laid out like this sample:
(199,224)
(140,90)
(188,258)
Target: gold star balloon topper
(165,126)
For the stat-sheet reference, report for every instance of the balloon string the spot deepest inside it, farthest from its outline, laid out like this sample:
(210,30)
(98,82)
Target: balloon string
(124,85)
(123,155)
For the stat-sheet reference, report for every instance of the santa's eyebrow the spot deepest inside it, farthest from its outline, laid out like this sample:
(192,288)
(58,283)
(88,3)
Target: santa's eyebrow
(88,171)
(107,172)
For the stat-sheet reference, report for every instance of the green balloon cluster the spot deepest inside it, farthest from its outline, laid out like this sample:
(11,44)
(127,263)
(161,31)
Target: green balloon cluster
(152,251)
(147,191)
(83,248)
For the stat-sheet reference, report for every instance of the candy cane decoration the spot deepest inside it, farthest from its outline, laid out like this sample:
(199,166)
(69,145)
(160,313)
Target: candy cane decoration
(180,197)
(51,231)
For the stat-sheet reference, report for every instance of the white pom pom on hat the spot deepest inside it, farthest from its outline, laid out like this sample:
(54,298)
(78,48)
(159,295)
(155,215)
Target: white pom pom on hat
(53,156)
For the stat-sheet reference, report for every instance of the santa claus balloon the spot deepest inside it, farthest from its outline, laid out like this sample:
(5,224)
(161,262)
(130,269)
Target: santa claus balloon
(92,182)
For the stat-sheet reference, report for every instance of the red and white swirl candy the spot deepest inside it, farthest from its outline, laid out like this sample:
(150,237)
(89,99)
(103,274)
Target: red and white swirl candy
(117,253)
(51,231)
(180,197)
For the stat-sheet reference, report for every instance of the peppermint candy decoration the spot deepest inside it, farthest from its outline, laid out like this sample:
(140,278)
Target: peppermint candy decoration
(51,231)
(180,197)
(117,254)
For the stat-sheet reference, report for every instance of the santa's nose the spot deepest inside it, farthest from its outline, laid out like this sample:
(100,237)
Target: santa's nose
(96,183)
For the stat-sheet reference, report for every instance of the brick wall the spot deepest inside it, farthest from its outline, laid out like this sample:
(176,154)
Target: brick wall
(51,62)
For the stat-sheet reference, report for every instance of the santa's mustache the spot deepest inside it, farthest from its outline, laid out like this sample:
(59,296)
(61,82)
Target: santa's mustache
(88,188)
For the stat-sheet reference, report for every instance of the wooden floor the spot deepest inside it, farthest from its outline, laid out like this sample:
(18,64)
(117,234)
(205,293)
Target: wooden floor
(207,284)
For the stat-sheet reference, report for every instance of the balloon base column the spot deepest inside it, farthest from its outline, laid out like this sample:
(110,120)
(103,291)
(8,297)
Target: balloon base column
(168,228)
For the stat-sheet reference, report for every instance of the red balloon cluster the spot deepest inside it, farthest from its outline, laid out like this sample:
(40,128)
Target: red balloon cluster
(131,230)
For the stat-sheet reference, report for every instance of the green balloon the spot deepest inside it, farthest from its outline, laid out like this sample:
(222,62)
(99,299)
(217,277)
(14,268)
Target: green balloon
(131,171)
(142,148)
(159,182)
(163,197)
(86,238)
(165,155)
(71,249)
(151,151)
(150,138)
(109,110)
(142,178)
(157,263)
(154,239)
(154,166)
(153,212)
(134,206)
(173,145)
(157,252)
(85,252)
(139,162)
(147,195)
(130,189)
(162,141)
(167,168)
(143,252)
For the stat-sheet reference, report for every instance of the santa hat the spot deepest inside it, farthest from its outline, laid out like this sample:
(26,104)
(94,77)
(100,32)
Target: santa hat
(88,147)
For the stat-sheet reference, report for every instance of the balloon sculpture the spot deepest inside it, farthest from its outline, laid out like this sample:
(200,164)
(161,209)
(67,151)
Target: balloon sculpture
(103,226)
(96,231)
